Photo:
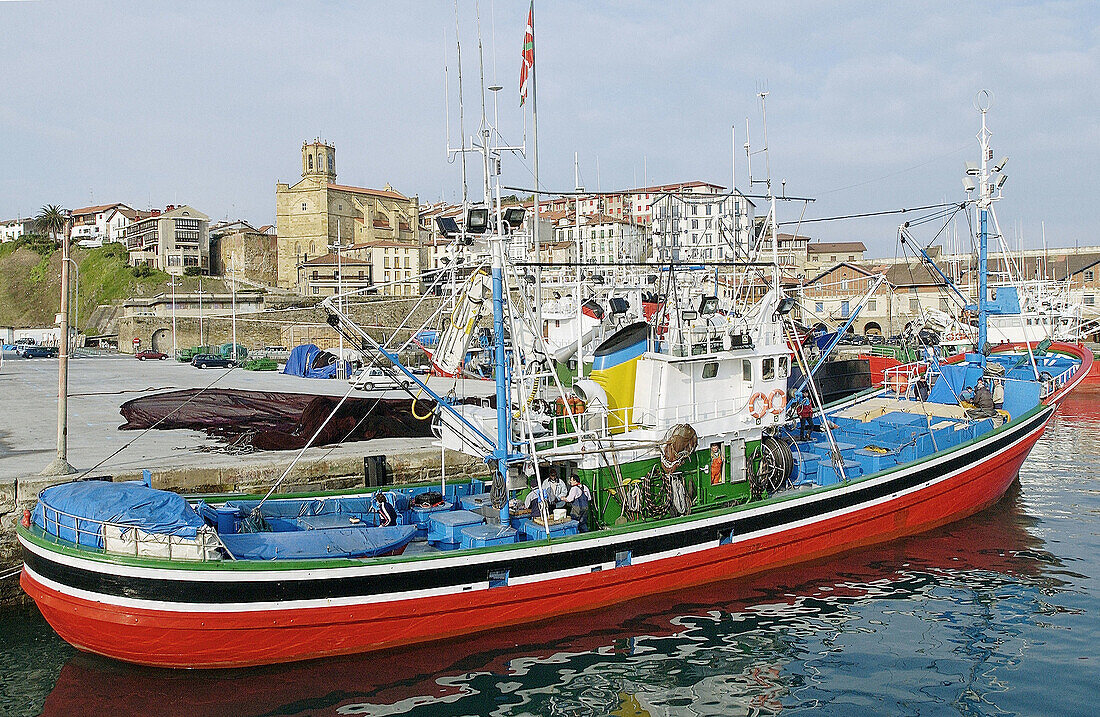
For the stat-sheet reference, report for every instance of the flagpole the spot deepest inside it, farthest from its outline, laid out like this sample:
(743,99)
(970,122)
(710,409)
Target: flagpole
(535,142)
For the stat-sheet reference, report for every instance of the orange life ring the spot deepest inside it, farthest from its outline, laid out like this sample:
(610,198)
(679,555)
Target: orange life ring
(782,396)
(764,403)
(899,384)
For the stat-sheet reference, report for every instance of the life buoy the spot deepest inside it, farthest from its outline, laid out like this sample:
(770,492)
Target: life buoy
(764,403)
(778,395)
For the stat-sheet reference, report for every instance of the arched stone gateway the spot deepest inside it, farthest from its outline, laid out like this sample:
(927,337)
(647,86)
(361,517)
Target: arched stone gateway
(162,340)
(872,327)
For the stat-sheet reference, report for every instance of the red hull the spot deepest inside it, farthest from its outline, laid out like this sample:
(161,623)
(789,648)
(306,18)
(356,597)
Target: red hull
(223,639)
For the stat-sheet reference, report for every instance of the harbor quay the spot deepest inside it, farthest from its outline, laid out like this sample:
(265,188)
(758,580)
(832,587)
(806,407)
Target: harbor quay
(181,460)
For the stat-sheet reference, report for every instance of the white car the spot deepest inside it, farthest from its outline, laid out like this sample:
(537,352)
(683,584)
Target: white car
(372,378)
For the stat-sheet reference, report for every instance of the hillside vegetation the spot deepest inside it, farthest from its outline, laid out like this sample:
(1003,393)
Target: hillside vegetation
(30,281)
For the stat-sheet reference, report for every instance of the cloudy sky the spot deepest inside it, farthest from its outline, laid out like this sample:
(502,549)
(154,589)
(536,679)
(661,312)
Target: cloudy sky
(870,104)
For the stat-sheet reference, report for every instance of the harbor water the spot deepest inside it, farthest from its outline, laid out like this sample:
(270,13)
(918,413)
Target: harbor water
(998,614)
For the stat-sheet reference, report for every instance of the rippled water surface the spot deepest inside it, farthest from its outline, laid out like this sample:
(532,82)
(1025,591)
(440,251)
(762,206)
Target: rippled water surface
(999,614)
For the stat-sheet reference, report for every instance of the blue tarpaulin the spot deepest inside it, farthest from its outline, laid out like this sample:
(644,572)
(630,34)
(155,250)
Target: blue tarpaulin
(357,542)
(311,362)
(76,511)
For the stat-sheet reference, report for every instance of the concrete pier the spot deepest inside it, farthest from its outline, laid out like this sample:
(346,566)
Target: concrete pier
(184,461)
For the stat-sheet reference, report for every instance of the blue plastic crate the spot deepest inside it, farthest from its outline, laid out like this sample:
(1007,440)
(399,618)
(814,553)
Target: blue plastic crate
(535,531)
(827,473)
(806,467)
(481,536)
(873,461)
(473,502)
(447,527)
(422,516)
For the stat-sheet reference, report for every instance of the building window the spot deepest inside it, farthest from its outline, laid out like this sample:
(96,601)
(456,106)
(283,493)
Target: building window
(315,291)
(914,306)
(1090,300)
(819,306)
(851,257)
(944,305)
(872,305)
(303,206)
(832,258)
(1088,275)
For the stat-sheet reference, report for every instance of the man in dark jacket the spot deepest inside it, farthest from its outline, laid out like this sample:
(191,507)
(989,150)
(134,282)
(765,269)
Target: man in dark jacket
(983,400)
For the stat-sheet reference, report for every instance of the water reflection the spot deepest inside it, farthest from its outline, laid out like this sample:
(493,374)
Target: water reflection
(940,612)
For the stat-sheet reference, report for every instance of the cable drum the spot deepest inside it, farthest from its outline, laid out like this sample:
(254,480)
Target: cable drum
(772,463)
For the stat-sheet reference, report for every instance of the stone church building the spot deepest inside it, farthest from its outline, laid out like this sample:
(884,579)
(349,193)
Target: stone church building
(315,213)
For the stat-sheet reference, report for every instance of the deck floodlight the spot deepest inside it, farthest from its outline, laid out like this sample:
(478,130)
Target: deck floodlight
(969,184)
(972,168)
(785,306)
(513,217)
(477,220)
(447,226)
(1001,180)
(1000,165)
(708,305)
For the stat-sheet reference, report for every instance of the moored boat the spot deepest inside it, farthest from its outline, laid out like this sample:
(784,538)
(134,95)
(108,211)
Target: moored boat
(688,465)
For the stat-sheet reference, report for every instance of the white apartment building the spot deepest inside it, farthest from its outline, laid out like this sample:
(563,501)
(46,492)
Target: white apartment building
(604,239)
(701,226)
(95,226)
(173,240)
(12,229)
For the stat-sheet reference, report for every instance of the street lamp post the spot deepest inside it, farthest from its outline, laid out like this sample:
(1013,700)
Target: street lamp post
(60,464)
(76,309)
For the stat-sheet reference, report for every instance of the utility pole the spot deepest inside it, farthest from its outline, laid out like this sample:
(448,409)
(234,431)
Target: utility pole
(175,350)
(233,301)
(60,464)
(200,310)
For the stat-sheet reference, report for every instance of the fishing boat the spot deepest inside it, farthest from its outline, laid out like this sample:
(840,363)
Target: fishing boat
(689,464)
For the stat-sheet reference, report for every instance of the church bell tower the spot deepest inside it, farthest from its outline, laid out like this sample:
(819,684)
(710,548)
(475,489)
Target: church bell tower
(319,160)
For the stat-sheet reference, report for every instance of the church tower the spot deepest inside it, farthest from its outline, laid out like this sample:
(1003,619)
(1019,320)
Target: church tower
(319,160)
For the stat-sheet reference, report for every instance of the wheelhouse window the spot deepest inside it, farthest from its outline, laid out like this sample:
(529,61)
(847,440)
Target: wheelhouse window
(784,367)
(710,369)
(746,370)
(768,371)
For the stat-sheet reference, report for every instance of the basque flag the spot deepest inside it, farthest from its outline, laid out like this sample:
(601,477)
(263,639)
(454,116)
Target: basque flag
(528,54)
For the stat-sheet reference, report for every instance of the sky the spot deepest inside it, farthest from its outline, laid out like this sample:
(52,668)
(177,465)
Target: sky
(870,105)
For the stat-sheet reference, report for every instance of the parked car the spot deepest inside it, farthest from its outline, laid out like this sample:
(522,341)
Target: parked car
(212,361)
(369,379)
(150,354)
(35,351)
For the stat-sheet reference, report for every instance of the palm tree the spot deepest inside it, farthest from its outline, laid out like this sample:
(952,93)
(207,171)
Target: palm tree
(52,220)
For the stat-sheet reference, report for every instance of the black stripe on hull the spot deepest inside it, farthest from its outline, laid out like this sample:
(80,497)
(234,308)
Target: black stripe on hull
(183,590)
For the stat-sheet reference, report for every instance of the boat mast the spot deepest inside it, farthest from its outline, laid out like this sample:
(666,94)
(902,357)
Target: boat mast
(985,190)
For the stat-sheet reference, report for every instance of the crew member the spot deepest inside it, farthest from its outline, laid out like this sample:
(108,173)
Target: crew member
(998,394)
(578,500)
(386,514)
(805,419)
(983,401)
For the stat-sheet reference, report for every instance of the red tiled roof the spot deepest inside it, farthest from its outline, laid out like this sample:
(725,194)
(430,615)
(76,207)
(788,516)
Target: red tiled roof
(96,209)
(820,247)
(364,190)
(327,259)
